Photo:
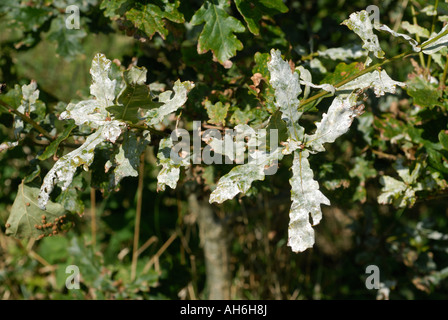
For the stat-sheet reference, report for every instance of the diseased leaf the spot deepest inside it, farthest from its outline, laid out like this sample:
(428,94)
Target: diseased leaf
(360,23)
(415,29)
(170,172)
(334,123)
(28,105)
(241,177)
(170,103)
(306,200)
(127,160)
(411,41)
(26,213)
(253,11)
(344,53)
(287,88)
(380,82)
(64,169)
(306,79)
(438,44)
(218,34)
(396,192)
(93,112)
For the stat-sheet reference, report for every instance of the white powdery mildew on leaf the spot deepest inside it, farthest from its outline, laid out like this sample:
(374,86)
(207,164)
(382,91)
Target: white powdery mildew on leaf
(30,94)
(170,172)
(64,169)
(343,53)
(103,88)
(438,44)
(286,85)
(360,23)
(233,144)
(8,145)
(306,199)
(335,122)
(93,112)
(241,177)
(380,82)
(415,29)
(306,79)
(170,104)
(411,41)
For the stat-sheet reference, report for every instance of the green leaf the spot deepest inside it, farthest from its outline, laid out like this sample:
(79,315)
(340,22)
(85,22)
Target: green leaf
(218,34)
(136,95)
(25,213)
(68,41)
(423,93)
(253,10)
(112,8)
(278,124)
(13,97)
(70,197)
(51,149)
(217,112)
(443,138)
(149,18)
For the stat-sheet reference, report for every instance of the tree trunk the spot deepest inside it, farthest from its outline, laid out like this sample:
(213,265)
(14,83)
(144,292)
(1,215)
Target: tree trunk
(214,240)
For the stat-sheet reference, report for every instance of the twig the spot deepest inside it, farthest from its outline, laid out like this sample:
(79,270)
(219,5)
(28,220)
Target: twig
(138,213)
(148,242)
(159,253)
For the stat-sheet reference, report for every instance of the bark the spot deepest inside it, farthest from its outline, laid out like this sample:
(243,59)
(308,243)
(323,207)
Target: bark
(215,241)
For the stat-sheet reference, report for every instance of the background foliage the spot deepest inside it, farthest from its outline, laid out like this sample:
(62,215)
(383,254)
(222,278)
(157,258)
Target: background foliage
(406,234)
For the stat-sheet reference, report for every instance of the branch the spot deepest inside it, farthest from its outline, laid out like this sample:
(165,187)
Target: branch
(323,93)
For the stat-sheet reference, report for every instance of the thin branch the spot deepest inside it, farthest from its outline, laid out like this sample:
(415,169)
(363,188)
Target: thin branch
(323,93)
(135,250)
